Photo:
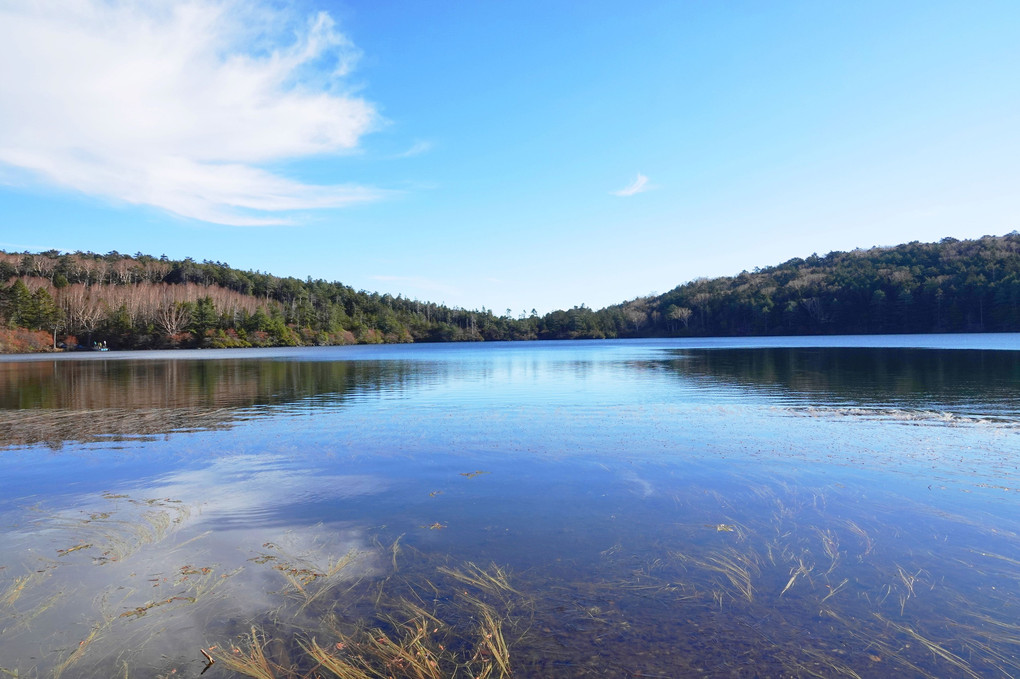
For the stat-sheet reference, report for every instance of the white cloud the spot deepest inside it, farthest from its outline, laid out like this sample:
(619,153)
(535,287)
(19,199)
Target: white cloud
(639,185)
(176,104)
(417,148)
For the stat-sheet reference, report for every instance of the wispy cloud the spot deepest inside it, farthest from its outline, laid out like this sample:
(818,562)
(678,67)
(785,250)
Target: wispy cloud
(178,104)
(417,148)
(639,185)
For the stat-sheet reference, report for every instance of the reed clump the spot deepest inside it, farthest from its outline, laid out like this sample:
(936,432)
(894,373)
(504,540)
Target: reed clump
(248,657)
(493,580)
(418,648)
(427,631)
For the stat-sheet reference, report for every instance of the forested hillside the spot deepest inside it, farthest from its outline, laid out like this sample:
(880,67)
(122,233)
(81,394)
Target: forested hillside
(949,286)
(141,301)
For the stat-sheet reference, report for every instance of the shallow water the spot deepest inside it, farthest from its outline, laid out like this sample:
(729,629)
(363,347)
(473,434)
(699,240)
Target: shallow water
(777,507)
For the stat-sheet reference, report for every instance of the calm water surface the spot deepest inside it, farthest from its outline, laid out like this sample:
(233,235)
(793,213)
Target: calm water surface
(783,507)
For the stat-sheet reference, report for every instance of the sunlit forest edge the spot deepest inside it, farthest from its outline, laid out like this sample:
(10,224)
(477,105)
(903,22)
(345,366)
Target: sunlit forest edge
(53,300)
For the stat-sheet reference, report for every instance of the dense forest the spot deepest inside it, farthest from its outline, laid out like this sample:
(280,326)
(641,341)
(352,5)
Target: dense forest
(131,302)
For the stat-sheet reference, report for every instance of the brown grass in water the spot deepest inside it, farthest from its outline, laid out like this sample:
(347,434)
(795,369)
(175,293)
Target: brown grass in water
(248,658)
(739,569)
(936,649)
(412,640)
(83,646)
(494,581)
(14,591)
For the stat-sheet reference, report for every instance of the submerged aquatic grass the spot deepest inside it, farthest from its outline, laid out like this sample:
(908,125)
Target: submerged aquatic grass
(13,591)
(248,658)
(393,609)
(405,637)
(493,580)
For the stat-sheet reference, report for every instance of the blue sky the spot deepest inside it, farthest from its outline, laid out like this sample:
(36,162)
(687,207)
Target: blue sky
(505,154)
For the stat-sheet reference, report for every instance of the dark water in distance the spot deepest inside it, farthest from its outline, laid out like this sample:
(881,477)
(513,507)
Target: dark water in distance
(658,508)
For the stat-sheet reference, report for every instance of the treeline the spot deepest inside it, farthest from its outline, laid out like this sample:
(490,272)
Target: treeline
(137,302)
(140,301)
(949,286)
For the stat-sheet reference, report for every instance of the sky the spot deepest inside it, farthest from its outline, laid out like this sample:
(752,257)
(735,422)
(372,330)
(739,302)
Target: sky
(507,155)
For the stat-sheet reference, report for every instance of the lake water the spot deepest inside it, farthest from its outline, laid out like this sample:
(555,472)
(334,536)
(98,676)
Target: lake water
(783,507)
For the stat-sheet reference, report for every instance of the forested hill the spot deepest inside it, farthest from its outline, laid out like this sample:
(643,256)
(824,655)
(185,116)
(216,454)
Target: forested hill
(141,301)
(949,286)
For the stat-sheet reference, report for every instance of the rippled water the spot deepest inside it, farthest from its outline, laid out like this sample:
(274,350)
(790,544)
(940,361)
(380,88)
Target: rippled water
(779,507)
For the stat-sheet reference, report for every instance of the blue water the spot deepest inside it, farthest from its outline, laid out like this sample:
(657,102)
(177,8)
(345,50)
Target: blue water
(721,507)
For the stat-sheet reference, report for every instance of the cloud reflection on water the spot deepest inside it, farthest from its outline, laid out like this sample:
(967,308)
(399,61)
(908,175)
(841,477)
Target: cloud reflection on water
(180,552)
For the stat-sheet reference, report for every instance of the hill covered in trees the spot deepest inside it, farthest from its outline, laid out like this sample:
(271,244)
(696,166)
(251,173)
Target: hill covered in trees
(949,286)
(140,301)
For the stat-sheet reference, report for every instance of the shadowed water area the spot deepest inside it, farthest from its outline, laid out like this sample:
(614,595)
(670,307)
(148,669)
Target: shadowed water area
(830,507)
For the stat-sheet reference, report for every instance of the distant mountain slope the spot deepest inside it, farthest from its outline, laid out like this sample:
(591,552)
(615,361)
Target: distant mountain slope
(141,302)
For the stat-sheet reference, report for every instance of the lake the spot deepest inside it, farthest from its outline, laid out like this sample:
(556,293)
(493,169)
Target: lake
(779,507)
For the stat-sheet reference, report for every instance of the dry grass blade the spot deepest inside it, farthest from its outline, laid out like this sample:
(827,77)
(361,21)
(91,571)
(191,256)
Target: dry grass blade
(890,653)
(339,666)
(83,646)
(395,549)
(830,545)
(328,580)
(985,618)
(1006,559)
(995,655)
(739,574)
(494,580)
(492,644)
(26,618)
(209,583)
(308,581)
(334,566)
(17,588)
(869,544)
(250,661)
(907,578)
(834,590)
(789,583)
(935,649)
(800,570)
(120,539)
(413,656)
(417,612)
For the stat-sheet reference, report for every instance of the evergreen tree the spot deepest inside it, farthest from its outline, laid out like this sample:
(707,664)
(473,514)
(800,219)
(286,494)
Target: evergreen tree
(47,315)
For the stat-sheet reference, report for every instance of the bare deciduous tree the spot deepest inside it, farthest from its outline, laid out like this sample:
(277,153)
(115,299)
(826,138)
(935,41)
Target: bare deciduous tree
(82,306)
(680,314)
(173,317)
(635,317)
